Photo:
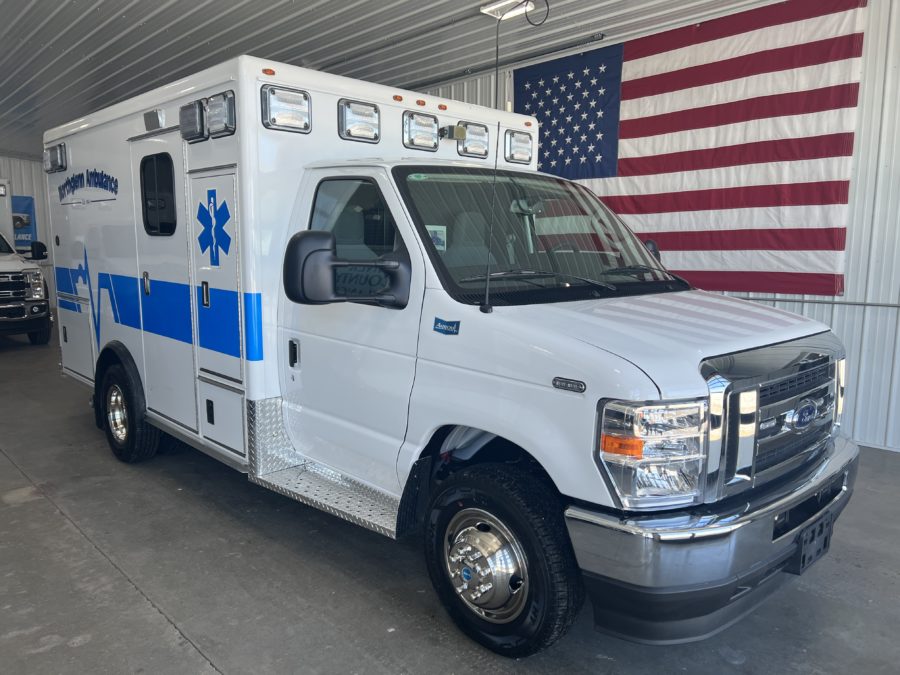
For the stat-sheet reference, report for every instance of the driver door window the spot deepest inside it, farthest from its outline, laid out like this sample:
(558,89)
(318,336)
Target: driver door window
(364,230)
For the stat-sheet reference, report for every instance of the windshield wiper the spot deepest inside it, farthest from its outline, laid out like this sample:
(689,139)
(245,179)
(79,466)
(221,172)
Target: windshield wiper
(532,274)
(634,270)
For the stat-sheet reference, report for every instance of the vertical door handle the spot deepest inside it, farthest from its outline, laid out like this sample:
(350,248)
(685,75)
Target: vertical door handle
(204,288)
(293,353)
(146,283)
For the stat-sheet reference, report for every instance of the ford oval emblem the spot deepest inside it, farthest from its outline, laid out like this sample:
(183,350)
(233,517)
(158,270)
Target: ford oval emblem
(804,414)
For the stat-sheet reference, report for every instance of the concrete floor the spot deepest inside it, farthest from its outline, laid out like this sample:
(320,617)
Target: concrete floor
(180,565)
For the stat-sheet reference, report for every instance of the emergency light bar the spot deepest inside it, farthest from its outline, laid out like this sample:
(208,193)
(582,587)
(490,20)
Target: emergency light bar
(286,109)
(192,121)
(55,158)
(420,131)
(518,147)
(359,121)
(475,144)
(220,115)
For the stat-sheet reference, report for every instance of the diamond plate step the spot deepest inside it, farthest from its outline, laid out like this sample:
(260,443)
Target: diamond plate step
(336,494)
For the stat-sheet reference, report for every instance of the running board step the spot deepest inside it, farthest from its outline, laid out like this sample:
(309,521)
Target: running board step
(334,493)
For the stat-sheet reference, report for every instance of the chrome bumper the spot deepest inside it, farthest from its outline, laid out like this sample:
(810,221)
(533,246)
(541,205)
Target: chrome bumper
(684,576)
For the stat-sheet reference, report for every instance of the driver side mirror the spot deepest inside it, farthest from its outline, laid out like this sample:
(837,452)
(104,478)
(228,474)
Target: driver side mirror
(38,251)
(653,247)
(309,269)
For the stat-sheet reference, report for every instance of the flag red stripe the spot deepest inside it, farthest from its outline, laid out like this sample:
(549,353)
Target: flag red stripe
(780,239)
(735,24)
(746,197)
(759,152)
(768,61)
(761,107)
(766,282)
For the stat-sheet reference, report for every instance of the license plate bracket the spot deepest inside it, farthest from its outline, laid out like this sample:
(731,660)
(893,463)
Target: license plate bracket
(813,542)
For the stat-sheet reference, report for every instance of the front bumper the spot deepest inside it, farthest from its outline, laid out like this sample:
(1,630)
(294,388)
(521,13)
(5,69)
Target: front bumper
(23,316)
(680,577)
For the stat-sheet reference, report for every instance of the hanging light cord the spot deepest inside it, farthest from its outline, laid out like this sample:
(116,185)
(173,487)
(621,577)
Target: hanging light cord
(486,304)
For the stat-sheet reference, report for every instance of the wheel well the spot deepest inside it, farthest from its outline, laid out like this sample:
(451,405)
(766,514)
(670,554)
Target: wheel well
(451,448)
(114,353)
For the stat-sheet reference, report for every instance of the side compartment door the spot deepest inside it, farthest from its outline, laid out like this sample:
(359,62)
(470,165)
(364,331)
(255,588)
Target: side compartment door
(165,278)
(221,348)
(348,367)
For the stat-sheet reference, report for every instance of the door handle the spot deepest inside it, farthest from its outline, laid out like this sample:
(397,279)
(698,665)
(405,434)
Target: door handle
(293,353)
(146,283)
(204,287)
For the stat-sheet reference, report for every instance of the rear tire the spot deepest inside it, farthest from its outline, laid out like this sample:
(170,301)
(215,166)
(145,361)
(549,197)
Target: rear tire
(500,532)
(123,413)
(40,336)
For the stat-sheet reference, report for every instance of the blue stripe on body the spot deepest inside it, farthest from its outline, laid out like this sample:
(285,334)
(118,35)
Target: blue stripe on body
(218,325)
(167,310)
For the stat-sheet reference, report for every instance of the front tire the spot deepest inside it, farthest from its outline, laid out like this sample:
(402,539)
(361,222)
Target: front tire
(129,435)
(40,336)
(500,559)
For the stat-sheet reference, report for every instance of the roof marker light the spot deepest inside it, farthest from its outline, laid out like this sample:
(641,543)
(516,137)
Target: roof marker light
(398,97)
(420,101)
(442,106)
(268,71)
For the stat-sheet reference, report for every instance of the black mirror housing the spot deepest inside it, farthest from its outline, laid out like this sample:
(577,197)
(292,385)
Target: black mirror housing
(310,263)
(653,247)
(307,273)
(38,251)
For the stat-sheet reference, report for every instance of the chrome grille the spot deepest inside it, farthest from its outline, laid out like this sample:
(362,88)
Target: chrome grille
(12,286)
(771,412)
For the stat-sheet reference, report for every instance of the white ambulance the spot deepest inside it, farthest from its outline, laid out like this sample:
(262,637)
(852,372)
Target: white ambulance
(370,301)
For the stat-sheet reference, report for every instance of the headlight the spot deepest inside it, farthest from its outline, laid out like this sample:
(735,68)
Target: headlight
(35,281)
(654,453)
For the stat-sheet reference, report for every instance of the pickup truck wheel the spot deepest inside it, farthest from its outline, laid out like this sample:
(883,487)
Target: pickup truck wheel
(131,438)
(500,559)
(41,336)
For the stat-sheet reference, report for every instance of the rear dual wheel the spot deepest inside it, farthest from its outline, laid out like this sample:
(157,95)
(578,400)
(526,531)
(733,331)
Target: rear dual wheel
(500,559)
(129,435)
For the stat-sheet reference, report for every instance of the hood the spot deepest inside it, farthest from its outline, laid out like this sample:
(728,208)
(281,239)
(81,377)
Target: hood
(13,262)
(667,335)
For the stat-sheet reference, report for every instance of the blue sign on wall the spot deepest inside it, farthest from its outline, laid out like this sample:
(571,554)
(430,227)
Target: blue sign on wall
(24,223)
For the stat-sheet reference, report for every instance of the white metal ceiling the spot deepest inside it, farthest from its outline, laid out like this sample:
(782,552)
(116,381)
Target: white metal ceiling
(60,59)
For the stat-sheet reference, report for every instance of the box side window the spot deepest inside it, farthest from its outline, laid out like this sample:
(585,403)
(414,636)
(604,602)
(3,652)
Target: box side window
(158,194)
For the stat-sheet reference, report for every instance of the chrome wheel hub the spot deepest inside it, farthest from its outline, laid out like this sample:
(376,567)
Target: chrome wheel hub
(486,565)
(116,413)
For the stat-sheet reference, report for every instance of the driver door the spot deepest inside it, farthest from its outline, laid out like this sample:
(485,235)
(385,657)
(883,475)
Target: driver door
(348,367)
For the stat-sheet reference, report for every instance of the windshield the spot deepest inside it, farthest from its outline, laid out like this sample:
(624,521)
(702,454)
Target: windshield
(551,240)
(4,247)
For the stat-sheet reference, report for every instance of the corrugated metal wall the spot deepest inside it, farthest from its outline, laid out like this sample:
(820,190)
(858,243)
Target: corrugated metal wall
(27,179)
(867,317)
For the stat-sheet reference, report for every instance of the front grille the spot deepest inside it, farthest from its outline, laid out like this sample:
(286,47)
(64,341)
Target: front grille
(771,412)
(791,386)
(12,285)
(12,312)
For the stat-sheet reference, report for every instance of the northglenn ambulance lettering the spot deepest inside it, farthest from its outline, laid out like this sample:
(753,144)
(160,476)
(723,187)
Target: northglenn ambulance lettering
(90,178)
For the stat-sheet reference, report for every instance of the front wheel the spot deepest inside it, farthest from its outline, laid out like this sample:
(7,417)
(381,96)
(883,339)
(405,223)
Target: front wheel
(500,559)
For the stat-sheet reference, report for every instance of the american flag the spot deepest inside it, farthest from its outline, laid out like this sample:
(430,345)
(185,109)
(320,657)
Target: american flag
(728,142)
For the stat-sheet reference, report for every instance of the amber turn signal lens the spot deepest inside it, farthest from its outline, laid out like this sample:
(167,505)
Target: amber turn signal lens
(616,445)
(268,71)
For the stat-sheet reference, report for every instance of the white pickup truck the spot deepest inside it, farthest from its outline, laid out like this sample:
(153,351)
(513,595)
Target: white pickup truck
(370,301)
(24,306)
